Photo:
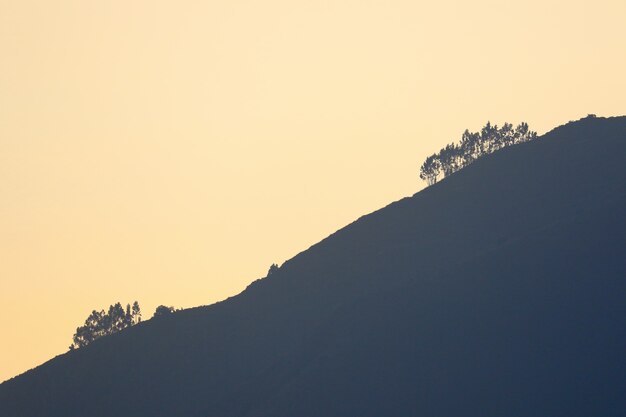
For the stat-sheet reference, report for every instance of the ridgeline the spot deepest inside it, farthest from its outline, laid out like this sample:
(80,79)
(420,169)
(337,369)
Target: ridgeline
(498,291)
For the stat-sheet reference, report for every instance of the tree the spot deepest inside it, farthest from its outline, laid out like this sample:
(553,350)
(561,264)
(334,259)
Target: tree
(115,318)
(472,146)
(429,171)
(92,330)
(450,158)
(128,317)
(521,132)
(487,133)
(162,311)
(101,323)
(136,313)
(507,135)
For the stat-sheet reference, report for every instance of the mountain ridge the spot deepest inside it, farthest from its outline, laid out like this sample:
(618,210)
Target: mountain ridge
(275,348)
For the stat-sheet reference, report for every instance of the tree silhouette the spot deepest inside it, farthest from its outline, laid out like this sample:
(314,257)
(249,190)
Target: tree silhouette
(430,169)
(472,146)
(101,323)
(136,313)
(163,311)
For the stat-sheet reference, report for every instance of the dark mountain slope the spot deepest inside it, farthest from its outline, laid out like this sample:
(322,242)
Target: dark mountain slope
(499,291)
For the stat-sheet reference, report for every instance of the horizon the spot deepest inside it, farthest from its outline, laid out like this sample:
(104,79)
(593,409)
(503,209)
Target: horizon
(170,154)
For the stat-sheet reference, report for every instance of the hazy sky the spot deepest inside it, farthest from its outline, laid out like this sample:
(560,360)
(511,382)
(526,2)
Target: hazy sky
(170,151)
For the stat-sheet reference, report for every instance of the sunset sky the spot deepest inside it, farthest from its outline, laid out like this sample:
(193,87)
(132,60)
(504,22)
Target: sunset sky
(170,151)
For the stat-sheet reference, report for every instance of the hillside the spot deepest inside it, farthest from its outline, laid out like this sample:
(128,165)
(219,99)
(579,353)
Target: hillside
(499,291)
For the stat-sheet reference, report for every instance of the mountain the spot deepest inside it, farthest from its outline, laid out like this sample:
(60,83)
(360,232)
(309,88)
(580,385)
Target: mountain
(499,291)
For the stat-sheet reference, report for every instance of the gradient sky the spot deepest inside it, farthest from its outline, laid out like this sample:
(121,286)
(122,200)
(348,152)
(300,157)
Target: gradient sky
(170,151)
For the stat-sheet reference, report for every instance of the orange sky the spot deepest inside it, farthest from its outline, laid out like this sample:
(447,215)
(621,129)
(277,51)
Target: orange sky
(169,152)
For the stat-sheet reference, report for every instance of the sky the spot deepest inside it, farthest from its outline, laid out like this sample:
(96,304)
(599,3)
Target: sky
(170,151)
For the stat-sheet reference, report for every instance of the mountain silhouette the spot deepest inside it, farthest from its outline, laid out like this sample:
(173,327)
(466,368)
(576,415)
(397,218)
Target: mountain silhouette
(499,291)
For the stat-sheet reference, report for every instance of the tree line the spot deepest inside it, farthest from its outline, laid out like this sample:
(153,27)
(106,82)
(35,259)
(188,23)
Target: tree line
(471,146)
(101,323)
(104,323)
